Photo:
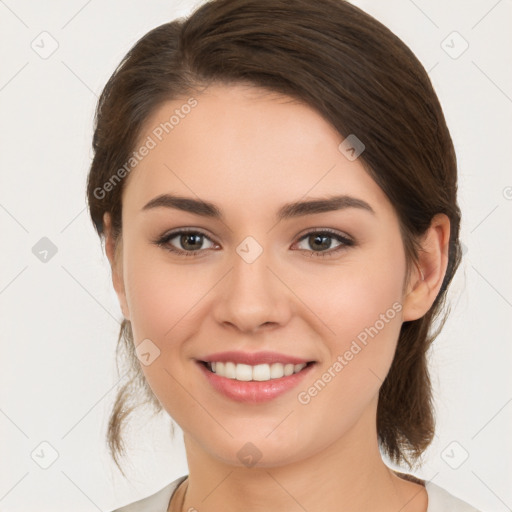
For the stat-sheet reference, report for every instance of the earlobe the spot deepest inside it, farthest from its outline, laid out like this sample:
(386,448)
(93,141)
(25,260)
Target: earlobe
(114,257)
(427,277)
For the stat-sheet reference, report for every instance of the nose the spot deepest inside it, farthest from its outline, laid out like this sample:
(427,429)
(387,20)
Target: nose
(252,296)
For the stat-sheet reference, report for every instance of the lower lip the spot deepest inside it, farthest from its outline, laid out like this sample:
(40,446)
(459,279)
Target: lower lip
(254,391)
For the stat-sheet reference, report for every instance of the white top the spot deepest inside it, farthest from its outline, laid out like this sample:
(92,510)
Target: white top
(439,500)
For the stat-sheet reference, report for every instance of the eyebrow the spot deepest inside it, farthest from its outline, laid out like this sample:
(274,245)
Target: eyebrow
(287,211)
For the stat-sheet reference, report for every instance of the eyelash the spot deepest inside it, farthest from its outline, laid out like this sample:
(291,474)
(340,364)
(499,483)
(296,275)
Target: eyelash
(166,238)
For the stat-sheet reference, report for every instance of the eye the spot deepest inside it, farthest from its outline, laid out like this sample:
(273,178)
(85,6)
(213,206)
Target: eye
(322,240)
(189,242)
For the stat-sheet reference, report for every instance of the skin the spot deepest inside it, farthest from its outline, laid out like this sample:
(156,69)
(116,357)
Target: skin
(249,152)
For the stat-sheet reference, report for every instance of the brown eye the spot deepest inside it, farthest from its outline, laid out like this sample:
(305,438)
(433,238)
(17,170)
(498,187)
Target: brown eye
(320,243)
(188,243)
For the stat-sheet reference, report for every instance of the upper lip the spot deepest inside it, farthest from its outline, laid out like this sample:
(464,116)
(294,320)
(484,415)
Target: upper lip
(253,358)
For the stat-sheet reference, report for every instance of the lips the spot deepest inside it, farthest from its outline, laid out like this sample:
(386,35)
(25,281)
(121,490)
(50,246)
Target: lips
(250,389)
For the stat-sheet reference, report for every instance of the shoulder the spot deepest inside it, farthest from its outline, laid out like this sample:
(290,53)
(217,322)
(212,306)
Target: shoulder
(440,500)
(157,502)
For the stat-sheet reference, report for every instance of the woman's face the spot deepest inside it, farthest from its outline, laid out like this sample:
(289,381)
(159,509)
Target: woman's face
(259,276)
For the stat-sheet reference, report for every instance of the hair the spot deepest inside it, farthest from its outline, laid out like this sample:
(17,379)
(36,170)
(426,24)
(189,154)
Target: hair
(359,77)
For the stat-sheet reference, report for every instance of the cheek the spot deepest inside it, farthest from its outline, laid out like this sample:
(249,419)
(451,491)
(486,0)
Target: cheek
(360,306)
(362,309)
(365,302)
(163,302)
(359,294)
(159,294)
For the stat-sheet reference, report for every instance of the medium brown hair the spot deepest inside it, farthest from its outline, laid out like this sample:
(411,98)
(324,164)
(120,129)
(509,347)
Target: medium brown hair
(362,79)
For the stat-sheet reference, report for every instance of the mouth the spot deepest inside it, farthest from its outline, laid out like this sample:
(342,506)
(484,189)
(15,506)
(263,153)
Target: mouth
(253,384)
(254,373)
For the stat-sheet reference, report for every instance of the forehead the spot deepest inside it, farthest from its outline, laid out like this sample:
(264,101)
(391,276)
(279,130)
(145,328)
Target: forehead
(244,143)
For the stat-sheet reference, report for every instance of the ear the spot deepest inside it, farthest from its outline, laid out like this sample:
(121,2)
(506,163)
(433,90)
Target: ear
(114,255)
(427,277)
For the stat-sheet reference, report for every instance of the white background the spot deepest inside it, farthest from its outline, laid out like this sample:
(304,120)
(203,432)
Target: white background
(60,319)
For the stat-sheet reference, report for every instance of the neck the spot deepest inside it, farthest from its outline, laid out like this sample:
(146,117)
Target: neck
(347,475)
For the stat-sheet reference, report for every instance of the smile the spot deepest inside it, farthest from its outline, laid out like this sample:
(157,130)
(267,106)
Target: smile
(259,372)
(253,384)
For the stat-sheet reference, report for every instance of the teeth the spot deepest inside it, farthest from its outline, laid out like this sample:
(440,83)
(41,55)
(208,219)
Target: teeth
(259,372)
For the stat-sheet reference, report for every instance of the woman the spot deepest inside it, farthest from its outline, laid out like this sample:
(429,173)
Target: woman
(276,187)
